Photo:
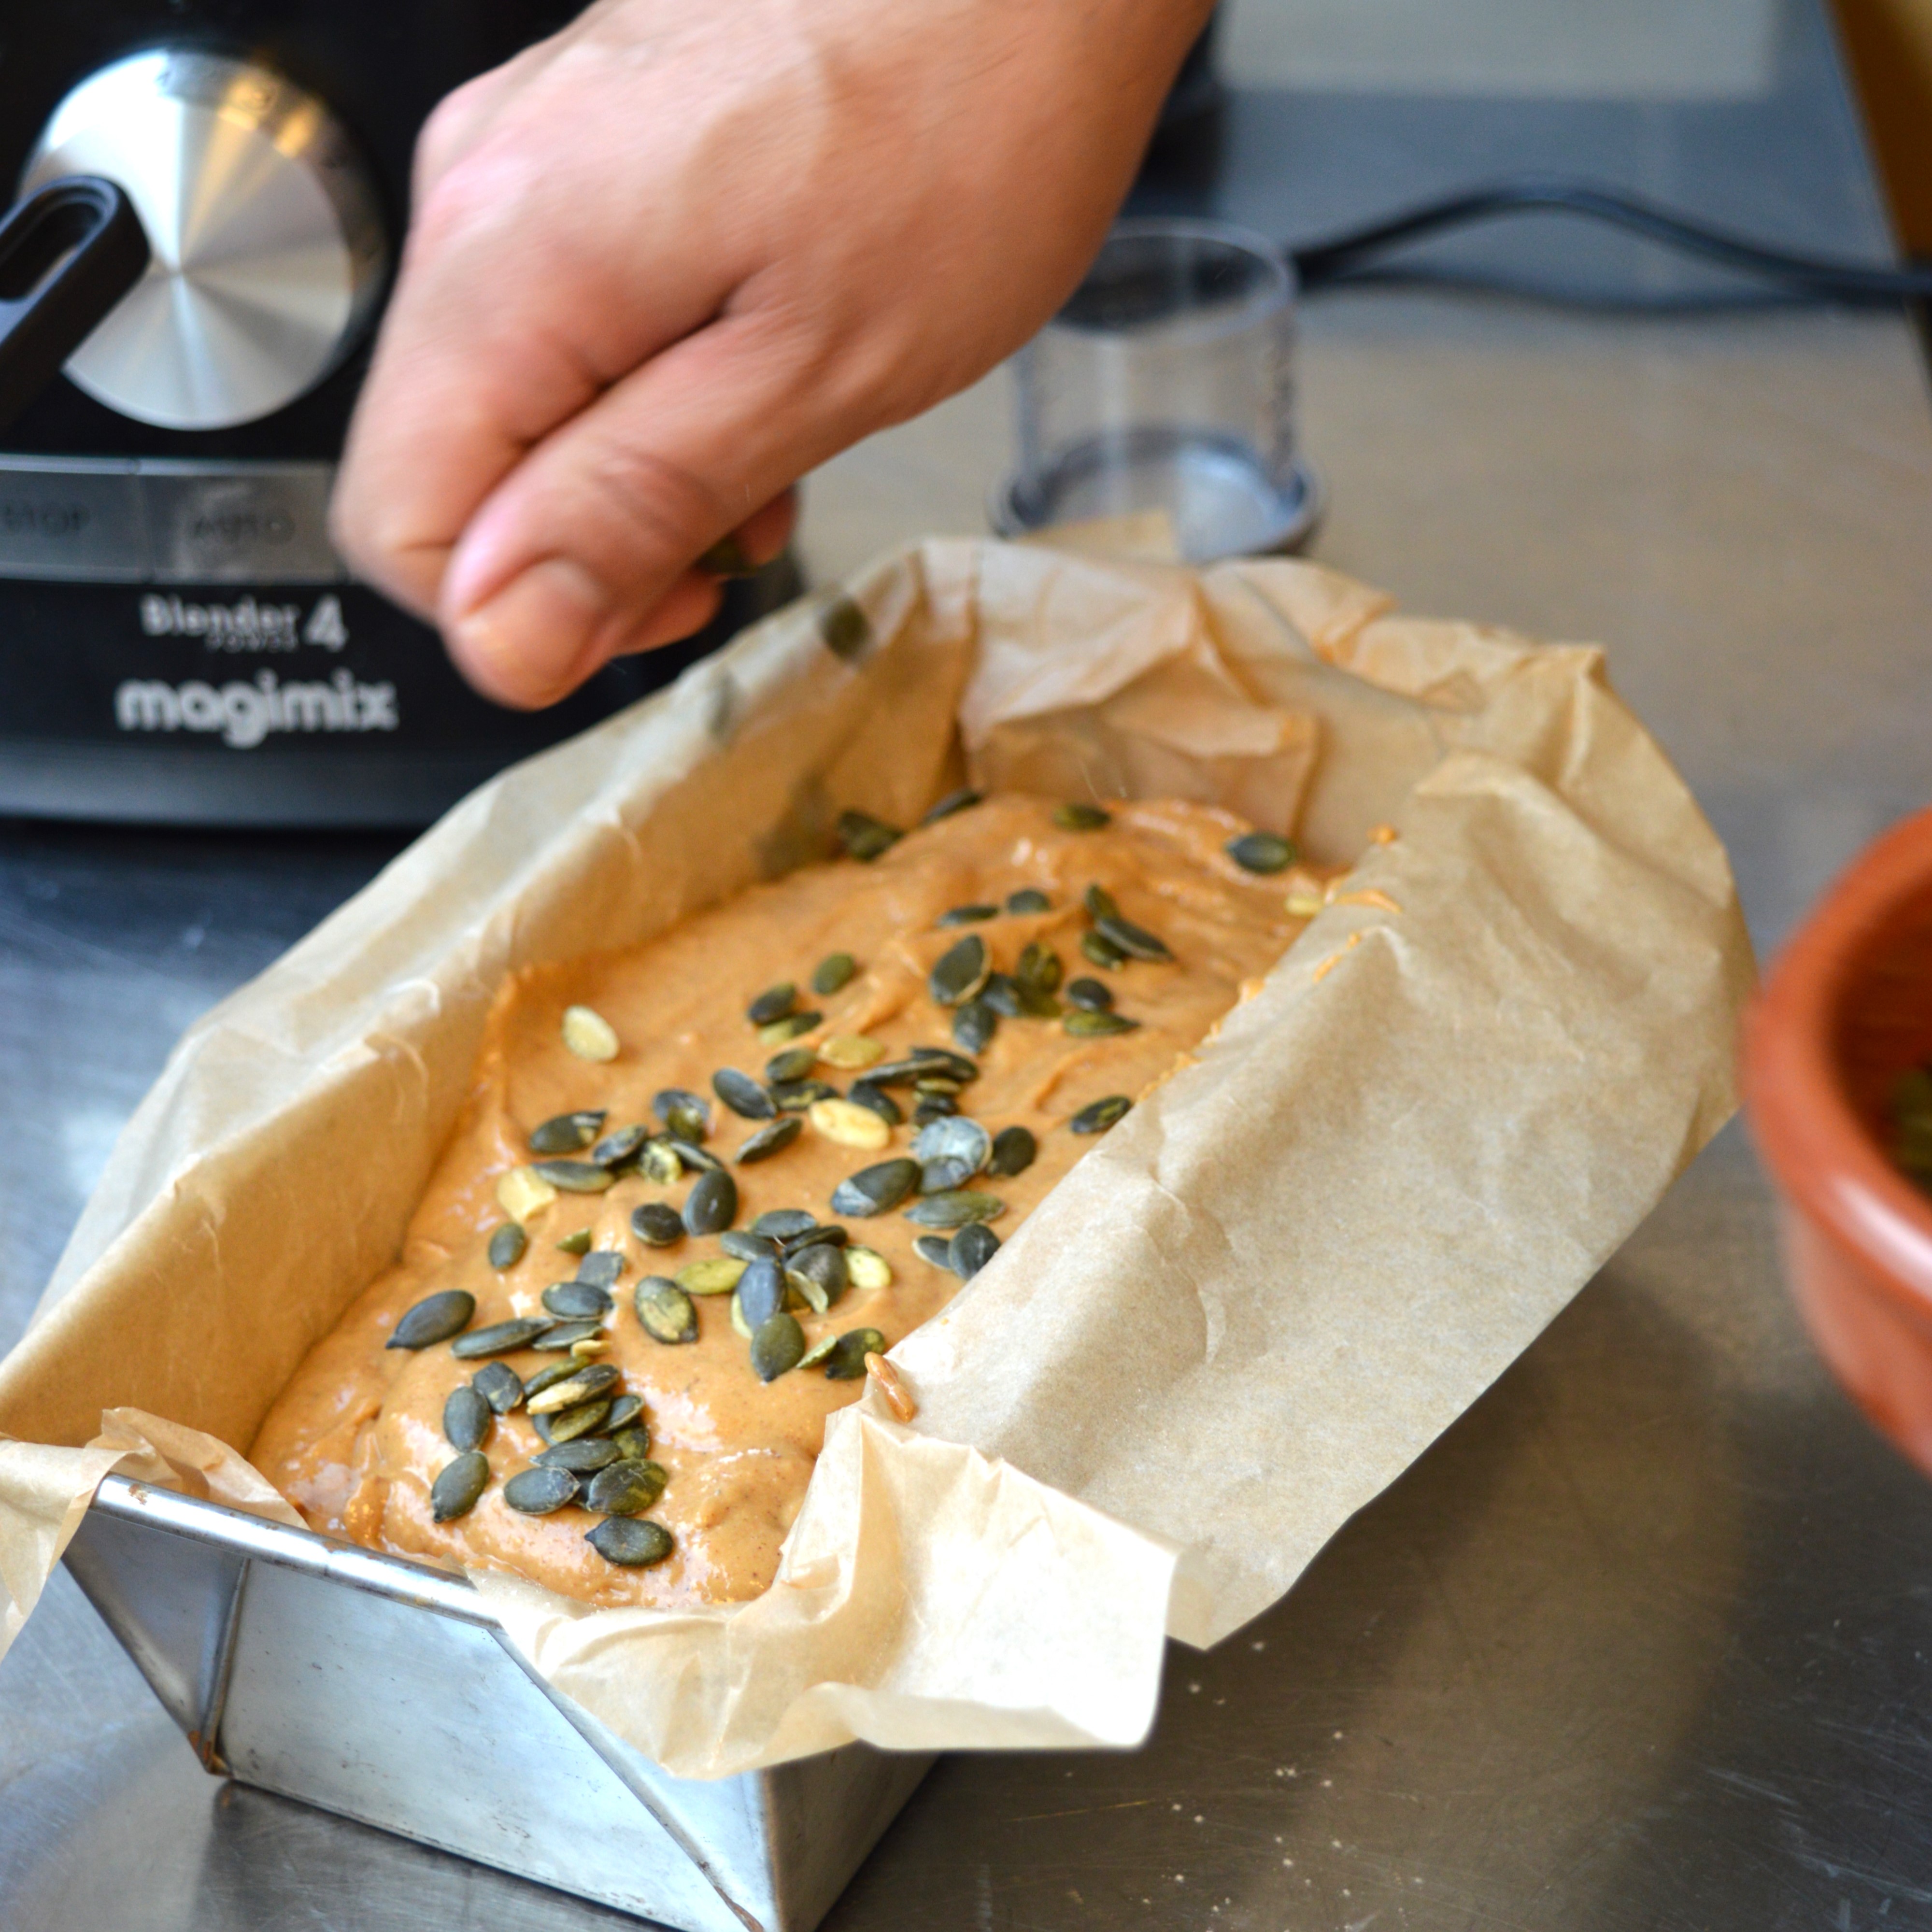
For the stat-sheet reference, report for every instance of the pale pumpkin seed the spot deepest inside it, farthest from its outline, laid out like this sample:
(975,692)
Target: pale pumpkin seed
(712,1204)
(1264,852)
(576,1300)
(1102,950)
(1135,941)
(626,1489)
(807,1291)
(875,1099)
(507,1244)
(790,1028)
(1099,1115)
(459,1486)
(584,1456)
(577,1242)
(584,1386)
(846,1363)
(748,1247)
(467,1417)
(796,1063)
(869,1269)
(959,972)
(971,1249)
(777,1347)
(718,1275)
(657,1224)
(566,1133)
(818,1352)
(1028,899)
(968,915)
(665,1312)
(974,1024)
(1014,1151)
(851,1051)
(833,973)
(866,838)
(955,1208)
(538,1490)
(960,800)
(1082,1025)
(739,1326)
(780,1224)
(769,1139)
(794,1096)
(574,1177)
(850,1124)
(687,1114)
(773,1003)
(601,1269)
(658,1160)
(1089,996)
(522,1192)
(742,1094)
(588,1034)
(499,1385)
(434,1318)
(1077,816)
(937,1249)
(628,1540)
(877,1189)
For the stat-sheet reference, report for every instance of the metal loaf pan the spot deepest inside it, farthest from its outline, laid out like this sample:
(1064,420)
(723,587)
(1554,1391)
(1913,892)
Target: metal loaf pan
(383,1689)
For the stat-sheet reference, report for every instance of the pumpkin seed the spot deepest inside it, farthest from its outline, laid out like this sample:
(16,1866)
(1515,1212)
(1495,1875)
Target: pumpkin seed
(761,1292)
(576,1301)
(974,1024)
(960,971)
(773,1003)
(928,1084)
(807,1291)
(864,837)
(943,1177)
(1099,1115)
(877,1189)
(875,1099)
(958,1139)
(955,1208)
(576,1243)
(1039,967)
(830,1231)
(1076,816)
(934,1107)
(434,1318)
(869,1269)
(601,1269)
(1028,899)
(718,1275)
(459,1486)
(634,1443)
(960,800)
(739,1326)
(694,1159)
(818,1352)
(585,1385)
(626,1489)
(822,1263)
(966,915)
(742,1094)
(583,1455)
(1102,950)
(847,1361)
(780,1224)
(1264,852)
(972,1248)
(751,1247)
(567,1334)
(832,973)
(499,1385)
(687,1114)
(769,1139)
(1085,1025)
(776,1347)
(1014,1151)
(657,1224)
(796,1063)
(574,1177)
(507,1244)
(616,1148)
(588,1348)
(794,1096)
(1135,941)
(625,1412)
(1100,903)
(538,1490)
(658,1160)
(588,1034)
(844,627)
(712,1205)
(849,1052)
(565,1425)
(790,1028)
(665,1312)
(523,1192)
(937,1249)
(923,1063)
(850,1124)
(1001,995)
(1089,996)
(566,1133)
(628,1540)
(467,1417)
(544,1378)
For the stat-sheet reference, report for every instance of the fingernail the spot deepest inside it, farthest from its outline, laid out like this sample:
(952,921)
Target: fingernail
(727,558)
(527,642)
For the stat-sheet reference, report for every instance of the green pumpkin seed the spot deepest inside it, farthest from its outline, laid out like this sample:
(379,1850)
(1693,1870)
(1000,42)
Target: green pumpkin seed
(773,1003)
(615,1149)
(665,1311)
(693,1159)
(500,1338)
(712,1205)
(958,1139)
(972,1248)
(549,1378)
(588,1383)
(1135,941)
(1039,967)
(944,1176)
(962,800)
(657,1224)
(687,1114)
(846,1363)
(966,915)
(833,973)
(1014,1151)
(459,1486)
(467,1417)
(1028,899)
(566,1133)
(583,1455)
(776,1347)
(866,838)
(1076,816)
(955,1208)
(934,1107)
(499,1385)
(1264,852)
(1003,995)
(576,1300)
(630,1540)
(780,1224)
(574,1177)
(1099,1115)
(877,1189)
(831,1232)
(434,1318)
(538,1490)
(575,1243)
(1100,903)
(796,1063)
(601,1269)
(973,1025)
(625,1412)
(1085,1025)
(634,1443)
(959,973)
(742,1094)
(921,1062)
(716,1277)
(822,1264)
(769,1139)
(762,1293)
(796,1096)
(507,1244)
(790,1028)
(1089,996)
(748,1247)
(626,1489)
(864,1093)
(1102,950)
(937,1249)
(566,1425)
(818,1352)
(936,1083)
(567,1334)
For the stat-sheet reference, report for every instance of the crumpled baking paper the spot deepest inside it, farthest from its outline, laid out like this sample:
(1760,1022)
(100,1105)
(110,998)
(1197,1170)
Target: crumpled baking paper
(1245,1312)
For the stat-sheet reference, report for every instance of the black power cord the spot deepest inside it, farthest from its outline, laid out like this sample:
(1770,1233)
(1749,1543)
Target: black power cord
(1355,254)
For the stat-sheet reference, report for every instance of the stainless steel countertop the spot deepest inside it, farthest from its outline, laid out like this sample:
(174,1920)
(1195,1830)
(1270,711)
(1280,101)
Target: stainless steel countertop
(1643,1642)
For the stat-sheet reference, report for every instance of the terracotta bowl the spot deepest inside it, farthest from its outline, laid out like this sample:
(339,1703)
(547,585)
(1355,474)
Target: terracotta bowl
(1848,1007)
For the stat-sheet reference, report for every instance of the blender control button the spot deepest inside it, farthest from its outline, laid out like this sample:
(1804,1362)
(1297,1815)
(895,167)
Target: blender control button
(239,523)
(71,518)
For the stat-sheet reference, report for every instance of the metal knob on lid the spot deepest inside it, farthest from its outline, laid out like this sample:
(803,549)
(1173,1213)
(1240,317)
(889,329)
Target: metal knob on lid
(268,249)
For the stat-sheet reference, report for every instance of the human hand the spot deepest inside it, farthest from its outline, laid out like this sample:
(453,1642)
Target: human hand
(667,261)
